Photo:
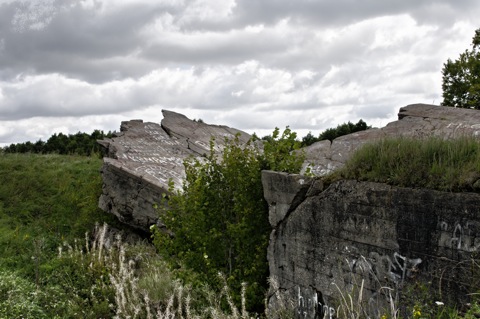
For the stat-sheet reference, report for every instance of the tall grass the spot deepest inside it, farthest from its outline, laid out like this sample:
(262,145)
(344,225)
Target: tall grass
(449,165)
(143,287)
(45,200)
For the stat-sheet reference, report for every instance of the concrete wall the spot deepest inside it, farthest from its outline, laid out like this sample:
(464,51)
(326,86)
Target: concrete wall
(352,232)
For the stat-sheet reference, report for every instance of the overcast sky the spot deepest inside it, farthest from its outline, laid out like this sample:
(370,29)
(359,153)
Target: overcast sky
(69,66)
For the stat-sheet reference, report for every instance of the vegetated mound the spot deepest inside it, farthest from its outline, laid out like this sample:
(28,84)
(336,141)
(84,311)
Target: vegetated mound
(48,199)
(433,163)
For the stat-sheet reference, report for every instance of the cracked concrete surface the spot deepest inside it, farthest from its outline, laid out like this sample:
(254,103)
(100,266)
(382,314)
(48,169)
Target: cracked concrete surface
(145,156)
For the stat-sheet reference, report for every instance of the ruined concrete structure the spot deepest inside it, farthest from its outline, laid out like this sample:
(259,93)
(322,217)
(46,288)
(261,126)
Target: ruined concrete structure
(329,239)
(144,156)
(324,239)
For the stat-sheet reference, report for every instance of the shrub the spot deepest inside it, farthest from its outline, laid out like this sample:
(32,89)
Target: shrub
(219,222)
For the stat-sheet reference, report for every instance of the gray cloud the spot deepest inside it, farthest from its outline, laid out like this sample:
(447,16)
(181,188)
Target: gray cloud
(76,41)
(341,12)
(249,64)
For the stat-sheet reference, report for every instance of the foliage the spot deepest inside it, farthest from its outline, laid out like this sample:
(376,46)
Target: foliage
(450,165)
(332,133)
(220,219)
(278,152)
(78,144)
(18,297)
(461,78)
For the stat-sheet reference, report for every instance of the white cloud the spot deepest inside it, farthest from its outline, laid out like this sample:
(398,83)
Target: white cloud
(248,64)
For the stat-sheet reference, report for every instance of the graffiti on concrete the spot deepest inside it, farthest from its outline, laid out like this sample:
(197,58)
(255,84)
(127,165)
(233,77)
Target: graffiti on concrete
(310,305)
(384,267)
(461,235)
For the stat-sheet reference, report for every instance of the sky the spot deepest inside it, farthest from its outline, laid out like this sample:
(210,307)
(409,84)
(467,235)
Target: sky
(69,66)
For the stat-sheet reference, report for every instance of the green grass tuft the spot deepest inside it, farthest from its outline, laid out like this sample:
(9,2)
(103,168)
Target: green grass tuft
(447,165)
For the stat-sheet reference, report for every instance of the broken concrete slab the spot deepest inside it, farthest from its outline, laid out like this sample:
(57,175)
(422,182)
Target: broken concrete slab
(145,156)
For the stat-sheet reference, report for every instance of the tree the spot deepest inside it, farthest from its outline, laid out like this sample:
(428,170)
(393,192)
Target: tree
(461,78)
(278,152)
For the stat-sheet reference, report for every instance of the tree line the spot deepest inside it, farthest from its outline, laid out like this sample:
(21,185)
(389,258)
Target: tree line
(332,133)
(72,144)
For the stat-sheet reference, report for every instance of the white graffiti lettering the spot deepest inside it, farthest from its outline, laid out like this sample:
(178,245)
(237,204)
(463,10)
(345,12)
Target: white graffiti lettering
(310,305)
(395,269)
(462,235)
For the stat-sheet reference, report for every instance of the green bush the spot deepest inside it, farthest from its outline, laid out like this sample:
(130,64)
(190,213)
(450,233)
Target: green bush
(281,153)
(219,222)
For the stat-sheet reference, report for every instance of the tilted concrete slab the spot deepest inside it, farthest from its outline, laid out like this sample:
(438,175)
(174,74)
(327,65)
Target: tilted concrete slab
(145,156)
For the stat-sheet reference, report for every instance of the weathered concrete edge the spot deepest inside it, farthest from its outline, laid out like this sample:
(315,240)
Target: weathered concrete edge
(148,194)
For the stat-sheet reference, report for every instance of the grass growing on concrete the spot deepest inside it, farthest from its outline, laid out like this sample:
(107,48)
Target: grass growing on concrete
(448,165)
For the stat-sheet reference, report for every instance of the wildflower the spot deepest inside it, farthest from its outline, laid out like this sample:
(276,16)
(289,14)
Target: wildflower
(416,312)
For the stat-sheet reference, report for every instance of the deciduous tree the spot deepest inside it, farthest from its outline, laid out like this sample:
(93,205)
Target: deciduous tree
(461,78)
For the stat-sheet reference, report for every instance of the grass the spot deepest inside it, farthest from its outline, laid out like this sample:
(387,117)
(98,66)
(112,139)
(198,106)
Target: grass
(49,268)
(141,286)
(44,200)
(52,265)
(447,165)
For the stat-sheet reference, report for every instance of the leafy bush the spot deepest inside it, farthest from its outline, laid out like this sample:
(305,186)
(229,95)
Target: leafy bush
(219,222)
(278,152)
(219,219)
